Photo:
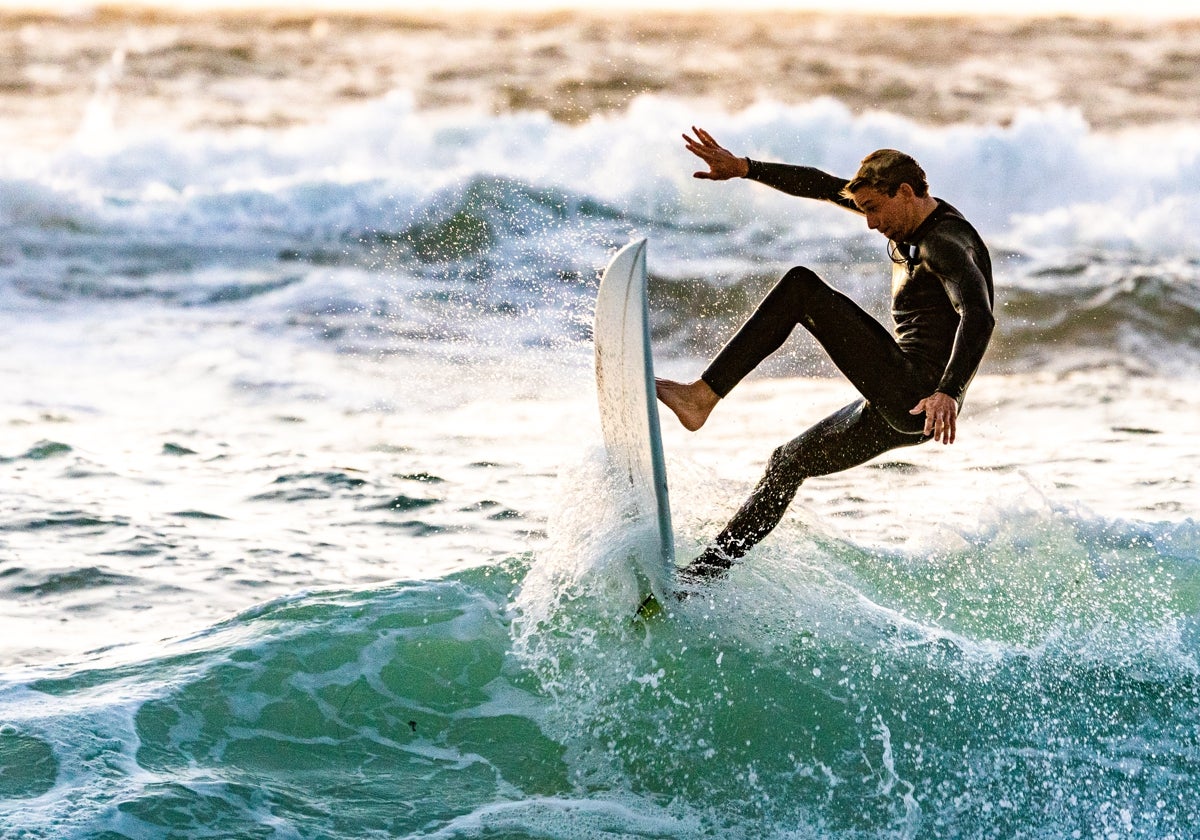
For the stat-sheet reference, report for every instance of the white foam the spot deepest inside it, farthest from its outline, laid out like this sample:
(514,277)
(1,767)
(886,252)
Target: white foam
(1045,179)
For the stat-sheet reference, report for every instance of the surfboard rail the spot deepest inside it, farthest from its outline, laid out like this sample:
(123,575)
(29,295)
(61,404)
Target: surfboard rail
(628,404)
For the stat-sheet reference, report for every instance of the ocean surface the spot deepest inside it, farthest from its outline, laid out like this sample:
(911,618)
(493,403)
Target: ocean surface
(305,528)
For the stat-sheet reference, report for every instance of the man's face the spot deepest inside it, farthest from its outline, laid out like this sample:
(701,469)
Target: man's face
(891,215)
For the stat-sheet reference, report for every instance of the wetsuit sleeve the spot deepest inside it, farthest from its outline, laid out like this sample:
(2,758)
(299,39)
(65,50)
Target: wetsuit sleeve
(801,181)
(954,263)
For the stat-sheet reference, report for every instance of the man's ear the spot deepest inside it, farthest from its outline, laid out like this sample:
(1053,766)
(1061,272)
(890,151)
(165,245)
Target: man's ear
(905,191)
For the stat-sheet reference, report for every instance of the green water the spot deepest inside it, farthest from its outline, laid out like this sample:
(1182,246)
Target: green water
(829,692)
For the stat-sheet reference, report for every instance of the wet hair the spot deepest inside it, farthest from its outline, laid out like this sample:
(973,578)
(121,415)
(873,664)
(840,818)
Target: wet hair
(886,170)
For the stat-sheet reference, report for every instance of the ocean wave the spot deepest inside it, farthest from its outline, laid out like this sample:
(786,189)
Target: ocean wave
(1146,319)
(1046,178)
(1009,683)
(482,228)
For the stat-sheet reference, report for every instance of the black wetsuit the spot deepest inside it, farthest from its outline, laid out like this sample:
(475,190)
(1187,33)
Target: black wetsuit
(942,306)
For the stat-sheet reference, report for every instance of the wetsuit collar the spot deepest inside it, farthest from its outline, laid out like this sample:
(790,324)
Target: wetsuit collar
(914,239)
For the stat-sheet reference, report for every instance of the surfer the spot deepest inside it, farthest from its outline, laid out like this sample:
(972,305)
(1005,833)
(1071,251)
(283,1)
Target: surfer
(912,383)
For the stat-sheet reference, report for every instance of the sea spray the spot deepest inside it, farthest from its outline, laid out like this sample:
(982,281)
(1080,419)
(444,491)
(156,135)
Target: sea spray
(845,689)
(816,692)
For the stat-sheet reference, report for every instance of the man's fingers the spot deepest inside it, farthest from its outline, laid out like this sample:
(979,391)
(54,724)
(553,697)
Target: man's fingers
(940,426)
(941,417)
(919,408)
(943,430)
(707,153)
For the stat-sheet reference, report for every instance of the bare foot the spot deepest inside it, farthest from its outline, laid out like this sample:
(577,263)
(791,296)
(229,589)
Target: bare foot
(692,402)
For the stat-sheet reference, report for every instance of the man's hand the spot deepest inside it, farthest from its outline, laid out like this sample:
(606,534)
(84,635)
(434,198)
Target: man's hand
(941,416)
(722,163)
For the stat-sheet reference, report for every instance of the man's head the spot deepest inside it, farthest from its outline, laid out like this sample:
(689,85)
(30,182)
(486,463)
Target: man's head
(885,170)
(891,191)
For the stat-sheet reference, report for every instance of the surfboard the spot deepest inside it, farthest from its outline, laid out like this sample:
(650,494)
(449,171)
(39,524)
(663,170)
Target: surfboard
(629,408)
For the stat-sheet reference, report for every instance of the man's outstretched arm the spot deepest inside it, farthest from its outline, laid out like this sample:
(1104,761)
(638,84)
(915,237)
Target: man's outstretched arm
(800,181)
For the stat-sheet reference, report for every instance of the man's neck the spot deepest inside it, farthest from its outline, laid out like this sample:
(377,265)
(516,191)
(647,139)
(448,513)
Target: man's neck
(922,209)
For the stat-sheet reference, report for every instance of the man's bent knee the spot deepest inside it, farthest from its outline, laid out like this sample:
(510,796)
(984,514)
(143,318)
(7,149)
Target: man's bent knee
(801,281)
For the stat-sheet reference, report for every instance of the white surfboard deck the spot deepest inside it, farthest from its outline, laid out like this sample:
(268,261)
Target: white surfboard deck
(628,406)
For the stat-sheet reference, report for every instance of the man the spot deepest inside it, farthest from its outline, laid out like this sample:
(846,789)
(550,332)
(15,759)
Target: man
(912,384)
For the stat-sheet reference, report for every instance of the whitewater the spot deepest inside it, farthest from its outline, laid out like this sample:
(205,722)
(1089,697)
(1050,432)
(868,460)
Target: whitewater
(305,529)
